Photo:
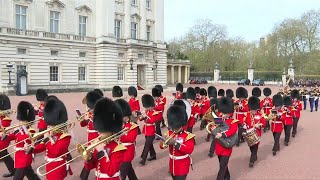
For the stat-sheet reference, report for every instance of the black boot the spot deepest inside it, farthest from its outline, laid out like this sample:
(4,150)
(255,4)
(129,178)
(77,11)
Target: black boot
(251,164)
(10,174)
(152,158)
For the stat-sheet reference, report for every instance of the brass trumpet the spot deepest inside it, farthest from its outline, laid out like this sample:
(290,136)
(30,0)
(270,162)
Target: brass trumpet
(7,112)
(84,152)
(165,144)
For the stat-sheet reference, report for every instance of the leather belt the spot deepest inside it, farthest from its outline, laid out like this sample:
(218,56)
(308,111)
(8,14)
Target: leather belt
(53,159)
(178,157)
(127,144)
(149,124)
(277,122)
(240,112)
(91,131)
(102,175)
(18,149)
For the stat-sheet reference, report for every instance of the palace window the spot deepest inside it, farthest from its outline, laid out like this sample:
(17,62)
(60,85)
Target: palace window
(83,25)
(21,51)
(54,21)
(21,17)
(54,53)
(148,33)
(117,28)
(120,73)
(134,2)
(54,73)
(134,30)
(148,4)
(21,67)
(82,54)
(82,73)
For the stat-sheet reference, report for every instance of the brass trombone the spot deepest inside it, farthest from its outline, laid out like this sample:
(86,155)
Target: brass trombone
(81,118)
(5,130)
(165,144)
(84,151)
(7,112)
(35,136)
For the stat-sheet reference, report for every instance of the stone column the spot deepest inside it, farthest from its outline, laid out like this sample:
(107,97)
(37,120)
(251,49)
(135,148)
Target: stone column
(216,73)
(186,74)
(284,78)
(172,74)
(291,70)
(126,25)
(179,74)
(251,73)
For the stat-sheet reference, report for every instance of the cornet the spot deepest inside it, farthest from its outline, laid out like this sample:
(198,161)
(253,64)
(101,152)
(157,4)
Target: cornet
(81,118)
(7,112)
(165,144)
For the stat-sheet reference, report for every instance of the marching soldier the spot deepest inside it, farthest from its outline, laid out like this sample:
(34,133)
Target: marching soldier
(317,96)
(128,140)
(214,107)
(164,100)
(159,107)
(287,118)
(99,92)
(117,92)
(254,120)
(230,94)
(5,121)
(297,106)
(225,106)
(276,121)
(205,105)
(241,108)
(256,92)
(304,97)
(198,96)
(179,90)
(212,94)
(23,155)
(134,105)
(41,96)
(108,156)
(87,121)
(180,142)
(191,96)
(221,93)
(149,128)
(56,142)
(312,97)
(266,106)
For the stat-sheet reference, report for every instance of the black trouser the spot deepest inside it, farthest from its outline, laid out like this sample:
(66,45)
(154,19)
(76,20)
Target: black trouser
(28,172)
(254,153)
(203,123)
(212,146)
(8,161)
(189,129)
(295,125)
(162,121)
(126,169)
(158,128)
(148,147)
(84,174)
(267,126)
(223,173)
(287,131)
(179,177)
(240,131)
(276,137)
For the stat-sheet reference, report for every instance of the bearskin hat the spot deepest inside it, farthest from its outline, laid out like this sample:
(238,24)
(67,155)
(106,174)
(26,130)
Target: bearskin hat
(4,102)
(225,105)
(147,101)
(177,117)
(156,92)
(125,107)
(55,112)
(132,91)
(117,91)
(179,87)
(254,103)
(295,94)
(277,100)
(214,102)
(41,94)
(287,101)
(197,89)
(180,103)
(25,111)
(191,93)
(91,98)
(203,92)
(212,92)
(267,91)
(99,91)
(241,92)
(184,95)
(159,87)
(52,97)
(229,93)
(256,91)
(221,92)
(107,116)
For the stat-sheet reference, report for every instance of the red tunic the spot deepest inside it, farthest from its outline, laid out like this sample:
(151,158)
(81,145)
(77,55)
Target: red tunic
(41,124)
(107,163)
(193,116)
(180,160)
(205,105)
(297,108)
(92,133)
(159,107)
(241,110)
(178,95)
(149,127)
(134,104)
(251,120)
(288,116)
(233,128)
(21,158)
(277,122)
(60,147)
(266,105)
(5,122)
(128,140)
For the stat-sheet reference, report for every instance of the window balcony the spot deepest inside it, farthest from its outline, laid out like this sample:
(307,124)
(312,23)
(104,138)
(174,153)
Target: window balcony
(45,35)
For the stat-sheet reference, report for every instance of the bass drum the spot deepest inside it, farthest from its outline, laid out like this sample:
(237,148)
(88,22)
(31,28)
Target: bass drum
(188,106)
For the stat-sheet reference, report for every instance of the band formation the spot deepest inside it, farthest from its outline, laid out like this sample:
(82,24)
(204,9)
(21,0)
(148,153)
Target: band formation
(112,129)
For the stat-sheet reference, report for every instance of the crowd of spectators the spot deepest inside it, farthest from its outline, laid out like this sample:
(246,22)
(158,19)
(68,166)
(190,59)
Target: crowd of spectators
(306,82)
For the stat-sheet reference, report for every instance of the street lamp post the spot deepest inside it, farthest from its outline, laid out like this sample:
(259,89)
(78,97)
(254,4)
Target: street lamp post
(9,67)
(131,64)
